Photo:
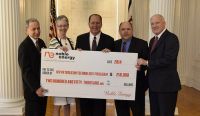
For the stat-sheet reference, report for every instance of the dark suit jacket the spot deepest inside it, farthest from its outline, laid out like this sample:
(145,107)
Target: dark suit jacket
(29,59)
(93,107)
(162,73)
(141,47)
(105,41)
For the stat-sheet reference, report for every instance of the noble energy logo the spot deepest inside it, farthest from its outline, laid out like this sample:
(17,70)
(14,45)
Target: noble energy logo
(60,55)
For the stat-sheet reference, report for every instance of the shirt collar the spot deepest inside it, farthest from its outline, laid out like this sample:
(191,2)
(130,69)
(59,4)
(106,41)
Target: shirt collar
(97,36)
(127,40)
(33,39)
(159,35)
(62,38)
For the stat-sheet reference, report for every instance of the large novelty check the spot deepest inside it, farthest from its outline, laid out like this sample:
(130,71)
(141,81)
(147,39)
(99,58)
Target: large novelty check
(89,74)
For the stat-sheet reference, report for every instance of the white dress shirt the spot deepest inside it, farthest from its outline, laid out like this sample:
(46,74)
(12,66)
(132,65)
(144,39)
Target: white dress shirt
(92,38)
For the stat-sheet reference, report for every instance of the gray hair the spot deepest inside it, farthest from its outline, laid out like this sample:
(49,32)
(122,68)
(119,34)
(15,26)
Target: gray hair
(158,16)
(61,17)
(30,20)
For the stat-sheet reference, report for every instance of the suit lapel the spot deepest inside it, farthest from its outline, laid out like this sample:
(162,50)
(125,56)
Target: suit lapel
(161,39)
(32,44)
(151,43)
(87,41)
(132,47)
(100,44)
(118,46)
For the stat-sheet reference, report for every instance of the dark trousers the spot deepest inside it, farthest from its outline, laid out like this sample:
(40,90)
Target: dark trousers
(137,107)
(162,104)
(78,111)
(92,107)
(35,107)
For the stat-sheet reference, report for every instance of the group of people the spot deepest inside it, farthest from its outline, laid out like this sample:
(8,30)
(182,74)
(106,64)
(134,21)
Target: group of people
(159,59)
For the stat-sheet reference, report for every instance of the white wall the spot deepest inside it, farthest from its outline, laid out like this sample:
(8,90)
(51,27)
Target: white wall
(78,12)
(188,29)
(35,9)
(141,19)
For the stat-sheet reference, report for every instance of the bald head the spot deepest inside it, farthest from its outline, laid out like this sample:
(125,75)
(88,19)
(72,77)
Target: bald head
(159,16)
(125,23)
(126,30)
(157,24)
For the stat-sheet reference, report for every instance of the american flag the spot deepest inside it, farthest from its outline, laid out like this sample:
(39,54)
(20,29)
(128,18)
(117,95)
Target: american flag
(52,32)
(130,11)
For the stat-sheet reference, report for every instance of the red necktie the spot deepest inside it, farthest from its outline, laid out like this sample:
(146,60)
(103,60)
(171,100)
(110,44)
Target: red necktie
(94,44)
(154,43)
(123,47)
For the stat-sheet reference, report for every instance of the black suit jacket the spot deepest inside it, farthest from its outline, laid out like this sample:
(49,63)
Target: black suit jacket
(29,59)
(93,107)
(162,73)
(141,47)
(105,41)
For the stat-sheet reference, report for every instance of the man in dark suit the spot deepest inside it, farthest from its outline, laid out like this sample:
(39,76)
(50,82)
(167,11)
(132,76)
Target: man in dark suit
(29,59)
(94,40)
(131,44)
(164,82)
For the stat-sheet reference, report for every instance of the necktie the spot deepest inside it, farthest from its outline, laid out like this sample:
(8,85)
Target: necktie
(94,44)
(37,45)
(154,43)
(123,47)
